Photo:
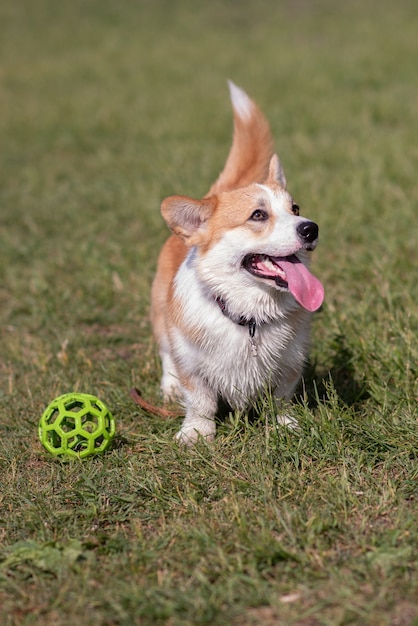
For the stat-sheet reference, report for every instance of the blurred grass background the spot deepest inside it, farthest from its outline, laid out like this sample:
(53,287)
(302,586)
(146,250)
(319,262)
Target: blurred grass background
(106,108)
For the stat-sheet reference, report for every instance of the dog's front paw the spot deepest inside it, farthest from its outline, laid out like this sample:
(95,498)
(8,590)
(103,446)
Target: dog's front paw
(284,419)
(189,434)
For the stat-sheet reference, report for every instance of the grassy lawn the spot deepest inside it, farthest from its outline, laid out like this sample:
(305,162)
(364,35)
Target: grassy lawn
(106,108)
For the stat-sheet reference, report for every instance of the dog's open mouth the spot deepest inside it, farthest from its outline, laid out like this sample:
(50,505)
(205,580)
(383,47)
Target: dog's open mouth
(288,273)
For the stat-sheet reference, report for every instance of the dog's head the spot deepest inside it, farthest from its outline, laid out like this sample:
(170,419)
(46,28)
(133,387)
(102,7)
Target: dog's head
(250,237)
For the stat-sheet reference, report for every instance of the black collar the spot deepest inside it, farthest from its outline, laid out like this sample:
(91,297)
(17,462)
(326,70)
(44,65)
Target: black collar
(241,320)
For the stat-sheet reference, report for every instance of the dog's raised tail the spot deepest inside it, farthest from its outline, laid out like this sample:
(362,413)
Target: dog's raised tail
(252,145)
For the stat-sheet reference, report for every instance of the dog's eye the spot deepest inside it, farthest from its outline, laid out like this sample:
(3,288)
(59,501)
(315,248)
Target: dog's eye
(295,209)
(259,216)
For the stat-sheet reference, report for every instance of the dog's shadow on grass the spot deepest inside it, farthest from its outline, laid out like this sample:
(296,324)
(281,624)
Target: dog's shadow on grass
(341,376)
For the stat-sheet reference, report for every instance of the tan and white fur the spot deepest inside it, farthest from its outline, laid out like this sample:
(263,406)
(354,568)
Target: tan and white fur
(232,298)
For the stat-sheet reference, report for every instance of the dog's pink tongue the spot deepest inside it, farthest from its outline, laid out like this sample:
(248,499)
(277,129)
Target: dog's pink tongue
(303,285)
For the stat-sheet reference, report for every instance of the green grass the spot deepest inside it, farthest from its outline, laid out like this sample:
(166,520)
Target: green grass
(105,109)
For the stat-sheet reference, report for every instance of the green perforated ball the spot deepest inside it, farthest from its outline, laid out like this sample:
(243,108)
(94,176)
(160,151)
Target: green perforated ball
(76,425)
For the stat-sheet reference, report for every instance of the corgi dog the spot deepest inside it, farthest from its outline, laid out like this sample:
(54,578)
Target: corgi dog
(232,298)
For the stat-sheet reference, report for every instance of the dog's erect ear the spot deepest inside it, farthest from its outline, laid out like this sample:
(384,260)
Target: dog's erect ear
(276,173)
(186,217)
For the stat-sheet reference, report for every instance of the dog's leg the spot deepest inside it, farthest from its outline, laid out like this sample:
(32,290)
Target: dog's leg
(201,404)
(283,397)
(170,383)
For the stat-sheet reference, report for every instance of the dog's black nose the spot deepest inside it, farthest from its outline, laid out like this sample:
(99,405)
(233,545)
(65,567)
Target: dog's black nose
(308,232)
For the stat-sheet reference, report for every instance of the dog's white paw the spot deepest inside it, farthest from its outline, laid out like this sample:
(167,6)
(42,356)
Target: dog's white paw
(288,421)
(189,434)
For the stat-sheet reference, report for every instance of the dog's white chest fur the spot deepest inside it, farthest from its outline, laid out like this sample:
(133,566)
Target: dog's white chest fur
(211,346)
